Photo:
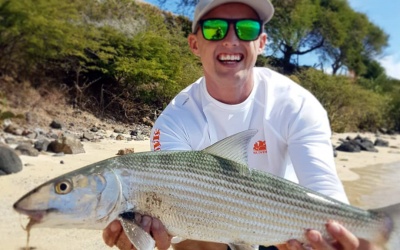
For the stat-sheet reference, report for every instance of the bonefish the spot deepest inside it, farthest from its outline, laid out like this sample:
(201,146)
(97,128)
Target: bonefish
(208,195)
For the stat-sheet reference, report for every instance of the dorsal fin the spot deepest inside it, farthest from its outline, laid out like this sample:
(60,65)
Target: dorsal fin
(233,147)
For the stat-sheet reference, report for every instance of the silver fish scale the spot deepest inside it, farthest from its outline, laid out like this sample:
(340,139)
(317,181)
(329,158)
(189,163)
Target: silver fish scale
(201,196)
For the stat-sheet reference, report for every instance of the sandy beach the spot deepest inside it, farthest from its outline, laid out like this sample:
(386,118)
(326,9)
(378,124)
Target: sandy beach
(368,179)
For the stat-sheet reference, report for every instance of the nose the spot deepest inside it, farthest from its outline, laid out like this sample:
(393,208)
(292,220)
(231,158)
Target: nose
(231,39)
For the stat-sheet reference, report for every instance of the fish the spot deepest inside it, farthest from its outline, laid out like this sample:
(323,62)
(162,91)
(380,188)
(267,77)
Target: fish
(207,195)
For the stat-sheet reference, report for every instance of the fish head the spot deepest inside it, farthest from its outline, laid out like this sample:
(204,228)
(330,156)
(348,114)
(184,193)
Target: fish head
(75,200)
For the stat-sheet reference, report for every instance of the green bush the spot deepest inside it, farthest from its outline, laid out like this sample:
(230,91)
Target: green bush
(350,107)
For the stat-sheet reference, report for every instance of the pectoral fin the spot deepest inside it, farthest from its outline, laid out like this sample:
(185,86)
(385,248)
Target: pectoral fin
(138,237)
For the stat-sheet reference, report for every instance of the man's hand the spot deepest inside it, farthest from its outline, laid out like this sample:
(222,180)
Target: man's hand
(114,235)
(344,240)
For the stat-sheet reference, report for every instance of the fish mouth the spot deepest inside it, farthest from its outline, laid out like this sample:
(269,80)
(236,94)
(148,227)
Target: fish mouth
(34,215)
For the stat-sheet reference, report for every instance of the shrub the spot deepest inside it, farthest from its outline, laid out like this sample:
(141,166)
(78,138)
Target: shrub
(350,107)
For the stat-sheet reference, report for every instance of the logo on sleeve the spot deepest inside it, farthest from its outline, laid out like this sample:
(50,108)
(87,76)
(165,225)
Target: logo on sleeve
(260,147)
(156,140)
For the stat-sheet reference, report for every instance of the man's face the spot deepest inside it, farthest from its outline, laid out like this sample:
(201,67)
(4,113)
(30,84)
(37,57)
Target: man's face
(229,59)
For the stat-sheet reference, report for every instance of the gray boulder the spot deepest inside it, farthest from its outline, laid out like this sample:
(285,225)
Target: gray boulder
(9,161)
(27,149)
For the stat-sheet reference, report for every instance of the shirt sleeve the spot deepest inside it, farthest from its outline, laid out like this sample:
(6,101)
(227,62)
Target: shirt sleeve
(311,151)
(167,135)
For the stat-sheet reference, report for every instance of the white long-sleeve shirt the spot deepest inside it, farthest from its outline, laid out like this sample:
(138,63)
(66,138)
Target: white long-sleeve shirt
(293,139)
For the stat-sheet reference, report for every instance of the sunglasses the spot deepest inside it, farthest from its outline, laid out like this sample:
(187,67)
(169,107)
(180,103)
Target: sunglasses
(216,29)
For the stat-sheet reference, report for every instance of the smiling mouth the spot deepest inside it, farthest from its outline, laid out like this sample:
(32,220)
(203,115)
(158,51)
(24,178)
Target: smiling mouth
(230,58)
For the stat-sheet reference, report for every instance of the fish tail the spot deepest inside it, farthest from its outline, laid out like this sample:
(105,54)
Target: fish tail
(392,226)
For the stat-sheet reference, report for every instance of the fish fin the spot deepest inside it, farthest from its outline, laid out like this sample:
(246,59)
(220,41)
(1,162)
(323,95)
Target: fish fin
(392,226)
(138,237)
(233,147)
(233,246)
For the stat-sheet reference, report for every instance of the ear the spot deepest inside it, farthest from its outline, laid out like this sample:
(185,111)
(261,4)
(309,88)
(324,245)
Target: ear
(263,41)
(193,44)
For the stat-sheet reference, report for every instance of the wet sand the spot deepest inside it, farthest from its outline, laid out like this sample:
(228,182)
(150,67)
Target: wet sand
(378,186)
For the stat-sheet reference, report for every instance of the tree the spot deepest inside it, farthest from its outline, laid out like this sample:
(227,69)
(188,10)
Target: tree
(292,29)
(350,37)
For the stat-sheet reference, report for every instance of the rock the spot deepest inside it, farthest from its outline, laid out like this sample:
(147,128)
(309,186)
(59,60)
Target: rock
(52,135)
(67,145)
(56,124)
(348,146)
(356,145)
(41,145)
(11,140)
(120,138)
(94,129)
(9,161)
(147,121)
(87,135)
(126,151)
(381,143)
(119,131)
(26,149)
(140,137)
(29,134)
(365,144)
(135,132)
(13,129)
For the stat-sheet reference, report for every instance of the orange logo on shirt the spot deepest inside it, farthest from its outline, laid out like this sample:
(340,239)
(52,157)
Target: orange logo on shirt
(260,147)
(156,140)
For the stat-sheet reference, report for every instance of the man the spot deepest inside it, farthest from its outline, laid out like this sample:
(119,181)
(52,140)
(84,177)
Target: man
(293,128)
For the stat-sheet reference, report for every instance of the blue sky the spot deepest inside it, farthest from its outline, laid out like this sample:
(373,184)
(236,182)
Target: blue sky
(383,13)
(386,15)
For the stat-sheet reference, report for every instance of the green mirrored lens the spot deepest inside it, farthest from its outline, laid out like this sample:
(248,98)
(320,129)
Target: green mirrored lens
(248,30)
(215,29)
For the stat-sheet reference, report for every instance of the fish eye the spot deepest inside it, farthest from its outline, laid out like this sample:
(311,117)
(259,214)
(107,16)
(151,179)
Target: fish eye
(63,187)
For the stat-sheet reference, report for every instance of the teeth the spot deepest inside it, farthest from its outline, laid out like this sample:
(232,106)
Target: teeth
(229,57)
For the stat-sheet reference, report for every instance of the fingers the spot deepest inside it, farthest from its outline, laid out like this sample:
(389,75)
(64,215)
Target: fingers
(160,235)
(316,241)
(112,232)
(157,230)
(145,223)
(113,235)
(123,243)
(345,238)
(293,245)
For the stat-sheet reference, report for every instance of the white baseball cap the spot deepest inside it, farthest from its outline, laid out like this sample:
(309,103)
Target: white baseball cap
(264,9)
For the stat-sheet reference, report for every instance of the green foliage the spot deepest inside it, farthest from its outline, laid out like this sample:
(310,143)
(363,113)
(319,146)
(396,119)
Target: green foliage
(148,67)
(34,31)
(386,86)
(339,34)
(291,30)
(349,106)
(121,56)
(352,40)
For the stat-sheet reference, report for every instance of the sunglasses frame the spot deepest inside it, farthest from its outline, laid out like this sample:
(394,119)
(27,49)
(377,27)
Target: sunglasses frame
(234,22)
